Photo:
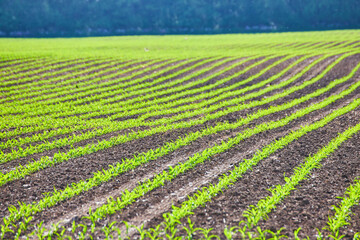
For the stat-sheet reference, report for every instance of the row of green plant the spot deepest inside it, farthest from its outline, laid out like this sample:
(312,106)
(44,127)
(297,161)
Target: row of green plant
(20,122)
(12,62)
(341,45)
(158,180)
(323,46)
(342,212)
(147,104)
(173,87)
(43,136)
(207,193)
(195,98)
(198,100)
(29,79)
(107,91)
(109,77)
(77,75)
(46,125)
(105,77)
(111,231)
(22,66)
(13,120)
(54,80)
(36,67)
(93,107)
(237,100)
(141,102)
(112,81)
(216,98)
(198,121)
(13,108)
(67,141)
(170,147)
(202,109)
(173,231)
(257,212)
(90,68)
(178,92)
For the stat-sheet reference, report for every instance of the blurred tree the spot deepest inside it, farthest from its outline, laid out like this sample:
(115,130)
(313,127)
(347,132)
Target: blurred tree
(105,17)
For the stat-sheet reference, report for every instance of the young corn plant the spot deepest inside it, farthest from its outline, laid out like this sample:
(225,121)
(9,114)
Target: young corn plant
(191,231)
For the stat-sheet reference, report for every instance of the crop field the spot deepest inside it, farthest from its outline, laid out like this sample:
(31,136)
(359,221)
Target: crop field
(244,136)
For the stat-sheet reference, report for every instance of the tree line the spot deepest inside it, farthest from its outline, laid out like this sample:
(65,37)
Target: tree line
(117,17)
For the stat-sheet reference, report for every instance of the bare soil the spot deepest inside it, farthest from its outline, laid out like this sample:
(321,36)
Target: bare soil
(307,207)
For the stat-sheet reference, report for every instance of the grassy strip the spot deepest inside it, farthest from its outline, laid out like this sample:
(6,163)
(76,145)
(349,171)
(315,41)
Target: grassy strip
(201,197)
(255,213)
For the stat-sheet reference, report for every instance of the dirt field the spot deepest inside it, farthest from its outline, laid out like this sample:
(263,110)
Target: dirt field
(248,146)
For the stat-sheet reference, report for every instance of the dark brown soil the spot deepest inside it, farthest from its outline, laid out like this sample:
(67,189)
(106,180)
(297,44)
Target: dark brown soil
(76,169)
(307,207)
(7,166)
(310,205)
(182,181)
(269,168)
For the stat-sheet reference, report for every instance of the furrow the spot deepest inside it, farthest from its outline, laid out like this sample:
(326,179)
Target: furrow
(207,193)
(188,124)
(173,172)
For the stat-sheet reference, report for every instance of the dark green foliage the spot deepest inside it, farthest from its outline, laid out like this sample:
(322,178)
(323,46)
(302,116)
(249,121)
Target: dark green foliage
(116,17)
